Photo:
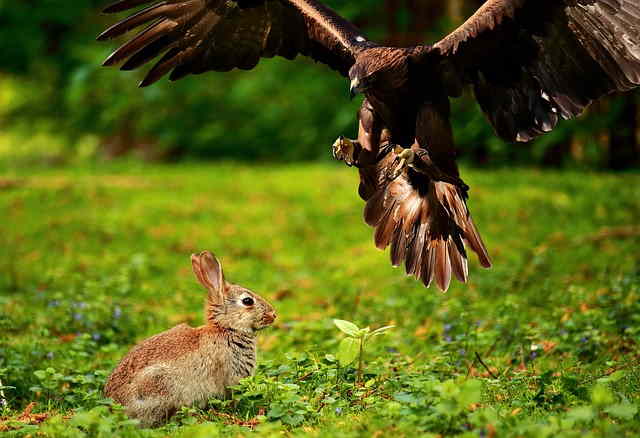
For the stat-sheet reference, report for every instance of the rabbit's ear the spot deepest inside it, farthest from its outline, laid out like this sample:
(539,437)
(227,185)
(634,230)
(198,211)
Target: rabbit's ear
(208,270)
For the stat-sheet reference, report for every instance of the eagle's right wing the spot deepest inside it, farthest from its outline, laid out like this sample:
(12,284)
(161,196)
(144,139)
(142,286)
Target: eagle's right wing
(533,62)
(196,36)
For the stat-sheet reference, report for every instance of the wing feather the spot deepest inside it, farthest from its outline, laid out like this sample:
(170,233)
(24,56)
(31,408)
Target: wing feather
(195,36)
(533,62)
(147,37)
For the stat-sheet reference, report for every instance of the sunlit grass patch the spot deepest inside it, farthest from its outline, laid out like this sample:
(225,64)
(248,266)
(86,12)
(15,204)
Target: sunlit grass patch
(94,260)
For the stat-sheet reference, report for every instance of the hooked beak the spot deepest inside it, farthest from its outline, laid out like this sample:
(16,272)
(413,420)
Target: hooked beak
(354,89)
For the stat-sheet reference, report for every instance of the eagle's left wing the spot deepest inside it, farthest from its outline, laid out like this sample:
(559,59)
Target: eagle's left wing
(195,36)
(532,62)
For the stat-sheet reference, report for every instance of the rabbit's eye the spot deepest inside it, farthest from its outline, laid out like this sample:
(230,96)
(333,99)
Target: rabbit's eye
(248,301)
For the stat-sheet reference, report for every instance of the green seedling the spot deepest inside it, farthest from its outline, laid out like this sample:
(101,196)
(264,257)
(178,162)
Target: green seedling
(352,347)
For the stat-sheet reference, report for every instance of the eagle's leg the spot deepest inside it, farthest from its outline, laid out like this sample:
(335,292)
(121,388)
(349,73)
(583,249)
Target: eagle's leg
(419,160)
(404,158)
(346,150)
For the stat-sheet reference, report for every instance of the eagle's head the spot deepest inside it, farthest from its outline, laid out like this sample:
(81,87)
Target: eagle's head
(360,80)
(379,68)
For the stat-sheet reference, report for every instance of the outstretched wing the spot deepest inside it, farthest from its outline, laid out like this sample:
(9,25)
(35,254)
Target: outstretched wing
(196,36)
(532,62)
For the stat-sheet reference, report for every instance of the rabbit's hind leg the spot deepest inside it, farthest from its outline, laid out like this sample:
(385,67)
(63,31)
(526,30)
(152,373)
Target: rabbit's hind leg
(153,399)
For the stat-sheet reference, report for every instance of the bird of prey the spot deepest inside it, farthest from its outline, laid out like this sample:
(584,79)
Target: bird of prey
(530,63)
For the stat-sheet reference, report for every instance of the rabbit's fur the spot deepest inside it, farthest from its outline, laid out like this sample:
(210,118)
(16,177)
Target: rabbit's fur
(185,365)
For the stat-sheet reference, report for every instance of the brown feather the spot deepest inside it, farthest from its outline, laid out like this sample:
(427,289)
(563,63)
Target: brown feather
(123,5)
(459,264)
(443,264)
(148,36)
(374,209)
(385,229)
(532,62)
(398,245)
(427,271)
(144,16)
(203,35)
(413,263)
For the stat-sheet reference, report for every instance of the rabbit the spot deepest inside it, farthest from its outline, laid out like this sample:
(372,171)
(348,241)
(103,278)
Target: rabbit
(186,366)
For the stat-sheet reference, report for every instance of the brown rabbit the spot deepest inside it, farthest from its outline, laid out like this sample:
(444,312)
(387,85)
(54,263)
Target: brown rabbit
(185,365)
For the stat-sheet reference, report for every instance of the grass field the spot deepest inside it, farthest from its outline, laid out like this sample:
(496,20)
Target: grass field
(94,260)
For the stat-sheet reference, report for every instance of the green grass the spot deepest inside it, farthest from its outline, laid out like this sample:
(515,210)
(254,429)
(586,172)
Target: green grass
(94,260)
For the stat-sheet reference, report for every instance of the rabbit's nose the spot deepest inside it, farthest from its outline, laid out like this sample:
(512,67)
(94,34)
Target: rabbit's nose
(270,317)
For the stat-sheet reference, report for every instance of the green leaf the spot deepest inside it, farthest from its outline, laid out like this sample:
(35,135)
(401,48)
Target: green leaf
(614,377)
(348,351)
(381,330)
(347,327)
(293,420)
(602,396)
(470,392)
(405,397)
(581,413)
(330,358)
(40,374)
(276,412)
(623,411)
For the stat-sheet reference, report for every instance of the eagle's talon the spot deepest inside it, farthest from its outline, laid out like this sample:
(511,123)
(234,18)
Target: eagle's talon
(343,149)
(407,154)
(404,158)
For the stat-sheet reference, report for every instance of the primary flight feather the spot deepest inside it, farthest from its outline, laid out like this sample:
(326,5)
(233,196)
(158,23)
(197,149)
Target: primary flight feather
(530,63)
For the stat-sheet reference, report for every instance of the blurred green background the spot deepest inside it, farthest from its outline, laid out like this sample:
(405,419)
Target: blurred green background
(58,105)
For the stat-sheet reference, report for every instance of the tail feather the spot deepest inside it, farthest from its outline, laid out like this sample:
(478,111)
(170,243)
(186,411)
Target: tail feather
(385,229)
(443,264)
(428,264)
(398,245)
(477,245)
(374,209)
(415,248)
(427,224)
(459,264)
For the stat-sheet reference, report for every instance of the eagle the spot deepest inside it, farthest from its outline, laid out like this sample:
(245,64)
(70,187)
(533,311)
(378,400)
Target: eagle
(530,63)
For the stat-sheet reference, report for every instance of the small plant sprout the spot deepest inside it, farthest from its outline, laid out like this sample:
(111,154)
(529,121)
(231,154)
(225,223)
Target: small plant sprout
(352,347)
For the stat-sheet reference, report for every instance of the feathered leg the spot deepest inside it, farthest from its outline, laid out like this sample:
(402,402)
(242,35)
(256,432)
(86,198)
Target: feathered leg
(416,202)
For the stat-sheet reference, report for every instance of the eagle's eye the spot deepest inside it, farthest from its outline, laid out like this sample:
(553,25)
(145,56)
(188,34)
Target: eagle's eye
(248,301)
